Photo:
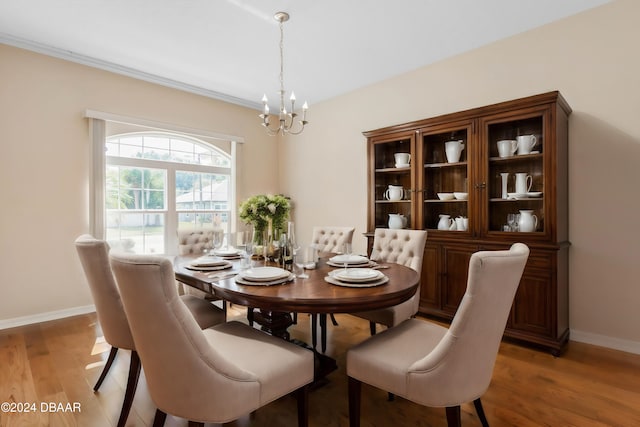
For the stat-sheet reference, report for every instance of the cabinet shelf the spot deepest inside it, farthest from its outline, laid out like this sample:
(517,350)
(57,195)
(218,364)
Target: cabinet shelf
(393,170)
(518,157)
(528,199)
(393,201)
(445,165)
(445,201)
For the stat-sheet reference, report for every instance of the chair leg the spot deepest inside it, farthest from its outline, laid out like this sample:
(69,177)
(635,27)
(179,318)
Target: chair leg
(302,395)
(250,315)
(295,317)
(159,419)
(195,424)
(480,411)
(453,416)
(333,319)
(355,393)
(323,331)
(372,328)
(132,383)
(314,330)
(107,366)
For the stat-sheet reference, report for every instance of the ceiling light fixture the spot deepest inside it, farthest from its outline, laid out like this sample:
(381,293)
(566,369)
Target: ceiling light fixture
(286,120)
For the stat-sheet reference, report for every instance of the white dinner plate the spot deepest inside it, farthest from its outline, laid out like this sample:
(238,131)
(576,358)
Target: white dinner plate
(349,259)
(242,281)
(226,252)
(264,274)
(335,281)
(208,268)
(356,275)
(208,262)
(534,194)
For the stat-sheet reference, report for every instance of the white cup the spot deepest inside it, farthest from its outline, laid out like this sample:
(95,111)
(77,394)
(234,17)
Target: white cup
(507,147)
(526,143)
(402,159)
(462,223)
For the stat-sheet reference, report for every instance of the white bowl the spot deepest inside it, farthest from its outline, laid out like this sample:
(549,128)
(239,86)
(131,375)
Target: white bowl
(445,196)
(461,196)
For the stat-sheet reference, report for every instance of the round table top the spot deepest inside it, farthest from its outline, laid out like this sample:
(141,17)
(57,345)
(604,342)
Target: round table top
(310,295)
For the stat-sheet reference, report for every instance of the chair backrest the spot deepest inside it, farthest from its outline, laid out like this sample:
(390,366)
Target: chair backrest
(194,241)
(94,257)
(330,238)
(401,246)
(462,362)
(186,376)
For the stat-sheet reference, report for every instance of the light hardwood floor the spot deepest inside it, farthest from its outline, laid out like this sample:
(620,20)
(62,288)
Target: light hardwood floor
(58,362)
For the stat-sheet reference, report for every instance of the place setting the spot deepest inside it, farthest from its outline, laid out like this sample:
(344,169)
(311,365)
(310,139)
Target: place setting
(350,261)
(356,277)
(264,276)
(207,264)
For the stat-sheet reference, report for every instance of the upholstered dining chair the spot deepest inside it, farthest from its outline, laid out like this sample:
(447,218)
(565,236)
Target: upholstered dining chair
(196,242)
(94,257)
(404,247)
(214,375)
(327,239)
(434,366)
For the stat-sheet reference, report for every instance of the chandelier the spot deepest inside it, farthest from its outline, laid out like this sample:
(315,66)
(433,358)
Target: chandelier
(286,120)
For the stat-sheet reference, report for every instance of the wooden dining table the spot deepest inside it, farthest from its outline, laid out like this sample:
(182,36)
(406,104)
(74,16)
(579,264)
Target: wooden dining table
(274,304)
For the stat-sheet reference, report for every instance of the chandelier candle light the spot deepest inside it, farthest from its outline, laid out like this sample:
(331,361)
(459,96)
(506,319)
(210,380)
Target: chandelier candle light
(286,120)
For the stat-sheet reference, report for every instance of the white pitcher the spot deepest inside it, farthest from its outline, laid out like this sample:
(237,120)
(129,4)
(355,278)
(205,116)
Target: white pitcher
(453,149)
(528,221)
(394,193)
(445,222)
(397,221)
(523,182)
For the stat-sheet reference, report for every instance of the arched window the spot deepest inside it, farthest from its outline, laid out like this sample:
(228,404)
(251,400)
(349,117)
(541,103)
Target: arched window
(157,183)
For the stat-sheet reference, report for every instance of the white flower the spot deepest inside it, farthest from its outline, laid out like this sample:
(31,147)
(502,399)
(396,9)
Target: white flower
(272,208)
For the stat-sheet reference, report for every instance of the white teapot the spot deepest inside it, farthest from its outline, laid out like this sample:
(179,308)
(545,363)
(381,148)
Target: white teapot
(397,221)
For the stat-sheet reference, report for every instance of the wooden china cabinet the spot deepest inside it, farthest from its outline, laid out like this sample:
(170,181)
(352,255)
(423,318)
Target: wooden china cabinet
(539,314)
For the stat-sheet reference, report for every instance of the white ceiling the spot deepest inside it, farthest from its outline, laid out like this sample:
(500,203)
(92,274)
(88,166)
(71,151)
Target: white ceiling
(228,49)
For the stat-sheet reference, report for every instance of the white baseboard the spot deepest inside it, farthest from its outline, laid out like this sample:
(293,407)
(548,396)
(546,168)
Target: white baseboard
(605,341)
(45,317)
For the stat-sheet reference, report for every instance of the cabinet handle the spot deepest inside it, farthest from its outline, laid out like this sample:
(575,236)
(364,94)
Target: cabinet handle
(481,185)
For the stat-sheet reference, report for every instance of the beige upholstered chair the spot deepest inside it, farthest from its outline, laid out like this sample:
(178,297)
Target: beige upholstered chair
(215,375)
(439,367)
(404,247)
(330,238)
(194,242)
(94,257)
(327,239)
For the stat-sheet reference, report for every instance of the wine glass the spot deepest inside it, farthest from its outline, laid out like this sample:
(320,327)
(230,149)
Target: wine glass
(346,251)
(246,242)
(218,238)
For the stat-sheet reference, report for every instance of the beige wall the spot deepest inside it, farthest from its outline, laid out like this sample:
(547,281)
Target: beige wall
(592,59)
(44,166)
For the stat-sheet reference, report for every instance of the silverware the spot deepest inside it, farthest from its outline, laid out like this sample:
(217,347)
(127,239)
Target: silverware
(379,267)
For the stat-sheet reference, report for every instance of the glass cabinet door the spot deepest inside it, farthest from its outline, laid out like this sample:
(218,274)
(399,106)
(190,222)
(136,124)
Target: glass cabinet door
(515,183)
(446,161)
(393,186)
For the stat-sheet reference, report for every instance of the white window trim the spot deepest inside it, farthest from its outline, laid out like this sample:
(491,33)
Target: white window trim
(97,134)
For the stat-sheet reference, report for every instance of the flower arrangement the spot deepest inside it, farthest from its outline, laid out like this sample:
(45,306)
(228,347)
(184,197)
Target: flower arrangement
(262,209)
